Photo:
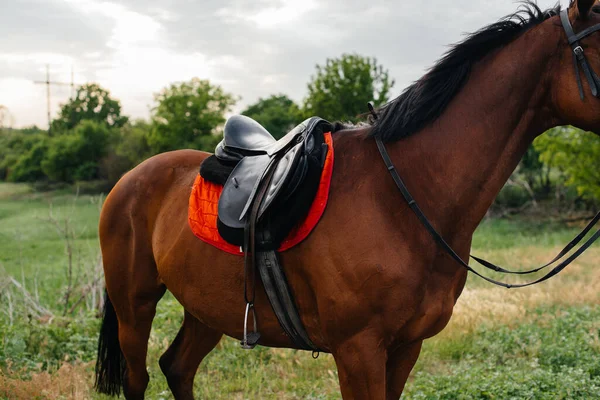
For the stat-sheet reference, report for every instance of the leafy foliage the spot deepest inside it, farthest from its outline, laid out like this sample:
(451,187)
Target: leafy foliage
(576,155)
(76,155)
(39,347)
(92,103)
(129,147)
(341,88)
(27,167)
(189,115)
(20,156)
(546,358)
(278,114)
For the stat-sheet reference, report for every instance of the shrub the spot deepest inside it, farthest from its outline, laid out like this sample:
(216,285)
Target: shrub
(76,155)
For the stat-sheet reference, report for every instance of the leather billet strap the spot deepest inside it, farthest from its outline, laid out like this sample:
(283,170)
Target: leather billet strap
(579,56)
(281,299)
(446,247)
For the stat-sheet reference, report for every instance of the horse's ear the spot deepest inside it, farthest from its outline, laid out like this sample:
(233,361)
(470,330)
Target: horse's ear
(583,9)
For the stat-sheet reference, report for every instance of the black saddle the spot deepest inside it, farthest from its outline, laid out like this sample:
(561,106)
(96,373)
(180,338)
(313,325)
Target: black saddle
(292,166)
(270,187)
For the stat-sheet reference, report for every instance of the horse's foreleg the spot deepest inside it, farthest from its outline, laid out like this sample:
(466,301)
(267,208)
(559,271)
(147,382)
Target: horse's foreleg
(400,362)
(180,362)
(361,368)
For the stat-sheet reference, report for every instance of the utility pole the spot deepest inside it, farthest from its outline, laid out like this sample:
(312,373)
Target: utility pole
(6,119)
(48,82)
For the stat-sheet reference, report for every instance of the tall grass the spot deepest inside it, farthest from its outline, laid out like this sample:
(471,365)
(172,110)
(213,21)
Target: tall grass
(539,342)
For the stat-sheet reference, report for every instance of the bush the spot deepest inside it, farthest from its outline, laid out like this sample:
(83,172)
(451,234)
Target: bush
(35,346)
(27,167)
(20,156)
(76,155)
(561,361)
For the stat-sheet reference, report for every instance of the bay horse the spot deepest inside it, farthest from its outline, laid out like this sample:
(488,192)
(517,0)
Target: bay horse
(370,282)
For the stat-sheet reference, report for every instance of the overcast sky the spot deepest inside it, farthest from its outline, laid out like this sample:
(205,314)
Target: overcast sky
(252,48)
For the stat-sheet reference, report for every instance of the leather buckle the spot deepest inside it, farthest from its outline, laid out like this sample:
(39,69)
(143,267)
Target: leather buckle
(578,52)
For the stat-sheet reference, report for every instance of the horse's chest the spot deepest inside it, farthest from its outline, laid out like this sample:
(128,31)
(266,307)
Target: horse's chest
(434,311)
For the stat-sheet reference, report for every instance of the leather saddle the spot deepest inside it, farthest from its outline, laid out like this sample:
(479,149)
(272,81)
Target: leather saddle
(270,189)
(283,167)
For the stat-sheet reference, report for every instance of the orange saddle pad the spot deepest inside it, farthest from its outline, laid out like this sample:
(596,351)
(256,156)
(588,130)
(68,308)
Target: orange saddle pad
(204,203)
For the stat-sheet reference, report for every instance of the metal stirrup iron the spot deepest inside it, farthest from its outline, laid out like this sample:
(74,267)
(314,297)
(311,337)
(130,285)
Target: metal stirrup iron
(250,339)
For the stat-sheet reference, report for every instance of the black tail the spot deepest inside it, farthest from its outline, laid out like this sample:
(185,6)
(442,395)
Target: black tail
(110,364)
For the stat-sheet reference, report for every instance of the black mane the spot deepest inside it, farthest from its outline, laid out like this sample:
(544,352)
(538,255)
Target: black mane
(426,99)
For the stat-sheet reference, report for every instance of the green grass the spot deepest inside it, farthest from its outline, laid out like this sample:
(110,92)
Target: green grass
(539,343)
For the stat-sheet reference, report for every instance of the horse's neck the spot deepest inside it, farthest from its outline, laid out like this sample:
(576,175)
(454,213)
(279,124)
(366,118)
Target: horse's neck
(458,164)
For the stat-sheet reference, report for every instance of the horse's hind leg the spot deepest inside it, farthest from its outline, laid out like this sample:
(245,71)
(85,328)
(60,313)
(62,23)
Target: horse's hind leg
(135,324)
(180,362)
(134,289)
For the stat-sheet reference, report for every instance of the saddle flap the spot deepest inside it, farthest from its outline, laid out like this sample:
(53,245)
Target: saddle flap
(281,175)
(240,189)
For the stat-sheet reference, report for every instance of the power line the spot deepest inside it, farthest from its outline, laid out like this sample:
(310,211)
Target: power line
(48,82)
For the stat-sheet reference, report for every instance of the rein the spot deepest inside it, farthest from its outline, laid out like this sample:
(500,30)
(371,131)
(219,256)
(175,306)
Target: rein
(594,84)
(448,249)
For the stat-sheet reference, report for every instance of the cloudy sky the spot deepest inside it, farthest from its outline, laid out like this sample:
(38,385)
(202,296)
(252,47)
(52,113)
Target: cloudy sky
(252,48)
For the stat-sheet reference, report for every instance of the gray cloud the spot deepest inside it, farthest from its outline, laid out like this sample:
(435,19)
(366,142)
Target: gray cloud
(49,26)
(238,43)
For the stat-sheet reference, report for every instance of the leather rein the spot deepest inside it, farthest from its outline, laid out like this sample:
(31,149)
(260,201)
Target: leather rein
(594,83)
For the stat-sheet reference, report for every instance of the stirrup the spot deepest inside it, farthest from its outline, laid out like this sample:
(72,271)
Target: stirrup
(250,339)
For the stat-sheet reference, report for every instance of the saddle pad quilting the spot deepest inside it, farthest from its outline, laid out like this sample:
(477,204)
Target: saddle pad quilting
(204,203)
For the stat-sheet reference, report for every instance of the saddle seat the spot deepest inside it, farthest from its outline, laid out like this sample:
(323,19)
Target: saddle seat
(244,137)
(278,168)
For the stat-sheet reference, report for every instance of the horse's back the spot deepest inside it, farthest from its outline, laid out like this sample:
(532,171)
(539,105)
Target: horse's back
(151,179)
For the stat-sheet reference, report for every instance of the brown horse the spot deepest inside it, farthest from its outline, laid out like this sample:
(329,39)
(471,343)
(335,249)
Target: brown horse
(370,282)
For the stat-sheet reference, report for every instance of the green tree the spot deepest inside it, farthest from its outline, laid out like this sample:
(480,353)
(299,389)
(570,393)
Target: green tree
(92,103)
(189,115)
(129,148)
(576,155)
(342,88)
(76,155)
(278,114)
(133,142)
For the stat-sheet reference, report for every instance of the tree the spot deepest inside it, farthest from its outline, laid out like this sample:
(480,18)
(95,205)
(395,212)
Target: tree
(278,114)
(92,103)
(129,148)
(189,115)
(342,88)
(575,154)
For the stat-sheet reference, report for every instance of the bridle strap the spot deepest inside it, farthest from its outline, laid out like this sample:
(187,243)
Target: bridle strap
(448,249)
(579,56)
(594,84)
(575,37)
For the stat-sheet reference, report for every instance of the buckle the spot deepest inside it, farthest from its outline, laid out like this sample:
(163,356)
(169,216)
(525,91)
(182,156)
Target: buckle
(578,51)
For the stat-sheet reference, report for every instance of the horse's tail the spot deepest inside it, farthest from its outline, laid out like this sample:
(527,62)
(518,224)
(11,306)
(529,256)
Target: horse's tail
(110,364)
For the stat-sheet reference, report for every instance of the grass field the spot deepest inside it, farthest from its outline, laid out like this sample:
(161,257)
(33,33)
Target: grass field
(536,343)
